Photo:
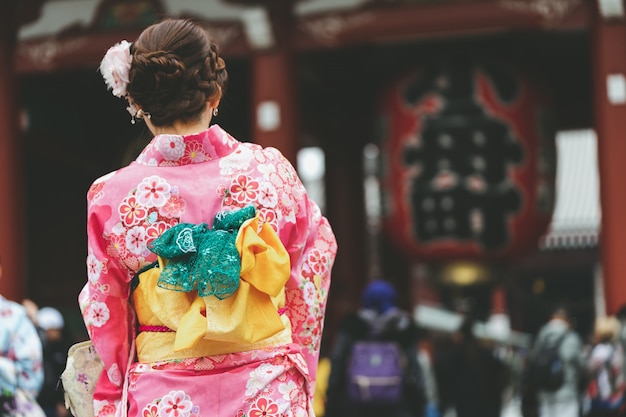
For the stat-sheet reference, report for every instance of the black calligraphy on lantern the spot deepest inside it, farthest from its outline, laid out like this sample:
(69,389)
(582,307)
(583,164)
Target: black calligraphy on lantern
(462,157)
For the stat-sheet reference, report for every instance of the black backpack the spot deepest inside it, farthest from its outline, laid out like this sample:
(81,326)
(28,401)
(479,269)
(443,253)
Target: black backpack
(547,368)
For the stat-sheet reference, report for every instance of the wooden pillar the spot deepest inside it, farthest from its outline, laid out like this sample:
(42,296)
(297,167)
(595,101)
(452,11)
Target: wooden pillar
(498,300)
(609,84)
(274,96)
(274,102)
(12,282)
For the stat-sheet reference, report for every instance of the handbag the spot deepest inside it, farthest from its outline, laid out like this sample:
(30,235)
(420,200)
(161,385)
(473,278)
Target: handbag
(21,403)
(82,371)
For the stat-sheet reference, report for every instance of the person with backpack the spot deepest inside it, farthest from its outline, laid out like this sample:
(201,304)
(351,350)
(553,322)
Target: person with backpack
(557,399)
(604,394)
(374,361)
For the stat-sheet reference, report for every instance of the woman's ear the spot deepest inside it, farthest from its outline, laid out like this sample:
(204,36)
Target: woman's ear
(214,104)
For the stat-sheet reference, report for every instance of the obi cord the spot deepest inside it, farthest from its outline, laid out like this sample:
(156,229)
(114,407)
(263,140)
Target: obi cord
(197,257)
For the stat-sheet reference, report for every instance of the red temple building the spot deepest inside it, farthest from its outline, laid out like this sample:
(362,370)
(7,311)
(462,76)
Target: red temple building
(396,94)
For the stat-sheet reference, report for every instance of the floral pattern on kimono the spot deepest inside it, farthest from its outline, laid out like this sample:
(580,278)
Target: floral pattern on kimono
(189,179)
(21,354)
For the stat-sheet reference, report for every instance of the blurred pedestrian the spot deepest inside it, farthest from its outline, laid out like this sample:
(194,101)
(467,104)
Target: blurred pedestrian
(379,318)
(604,396)
(21,371)
(564,401)
(474,378)
(56,343)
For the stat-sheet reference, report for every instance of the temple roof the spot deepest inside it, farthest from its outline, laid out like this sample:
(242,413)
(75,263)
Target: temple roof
(61,34)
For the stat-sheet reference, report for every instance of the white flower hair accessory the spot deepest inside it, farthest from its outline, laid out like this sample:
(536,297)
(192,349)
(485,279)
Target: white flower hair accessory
(115,67)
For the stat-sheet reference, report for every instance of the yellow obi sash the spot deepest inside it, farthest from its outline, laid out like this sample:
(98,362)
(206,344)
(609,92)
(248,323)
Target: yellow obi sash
(204,326)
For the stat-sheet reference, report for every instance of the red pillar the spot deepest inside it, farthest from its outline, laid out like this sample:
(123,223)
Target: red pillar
(274,102)
(12,282)
(609,63)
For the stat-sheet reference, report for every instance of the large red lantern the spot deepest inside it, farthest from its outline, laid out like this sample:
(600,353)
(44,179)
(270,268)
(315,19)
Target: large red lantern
(468,162)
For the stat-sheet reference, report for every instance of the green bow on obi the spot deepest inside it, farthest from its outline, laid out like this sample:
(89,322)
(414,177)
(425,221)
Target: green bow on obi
(201,258)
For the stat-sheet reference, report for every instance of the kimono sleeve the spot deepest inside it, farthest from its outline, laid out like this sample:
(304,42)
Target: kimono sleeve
(312,248)
(106,311)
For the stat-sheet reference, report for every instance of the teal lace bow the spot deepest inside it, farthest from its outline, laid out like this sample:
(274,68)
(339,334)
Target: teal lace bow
(202,258)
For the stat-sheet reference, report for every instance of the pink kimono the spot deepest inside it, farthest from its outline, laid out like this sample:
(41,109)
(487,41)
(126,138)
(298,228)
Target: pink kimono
(235,365)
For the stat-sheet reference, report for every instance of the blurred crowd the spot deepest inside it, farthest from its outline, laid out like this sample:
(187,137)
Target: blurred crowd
(449,374)
(465,375)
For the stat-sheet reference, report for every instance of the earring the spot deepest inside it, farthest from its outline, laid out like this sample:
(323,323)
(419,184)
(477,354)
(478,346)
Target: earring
(215,112)
(141,115)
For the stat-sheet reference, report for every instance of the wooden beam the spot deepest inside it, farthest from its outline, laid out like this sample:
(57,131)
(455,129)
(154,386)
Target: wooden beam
(80,48)
(422,21)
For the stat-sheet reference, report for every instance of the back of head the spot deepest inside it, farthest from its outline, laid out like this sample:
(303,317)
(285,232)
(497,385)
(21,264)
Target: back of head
(560,312)
(379,296)
(175,71)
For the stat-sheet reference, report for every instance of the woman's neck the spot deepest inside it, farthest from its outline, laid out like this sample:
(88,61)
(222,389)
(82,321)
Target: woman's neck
(178,128)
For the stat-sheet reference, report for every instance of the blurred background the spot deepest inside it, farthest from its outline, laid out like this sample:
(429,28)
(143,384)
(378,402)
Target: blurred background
(469,151)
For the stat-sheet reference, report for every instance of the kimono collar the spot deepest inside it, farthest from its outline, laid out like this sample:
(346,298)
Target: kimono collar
(176,150)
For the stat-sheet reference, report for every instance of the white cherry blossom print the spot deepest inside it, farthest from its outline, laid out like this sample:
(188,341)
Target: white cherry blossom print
(114,374)
(318,261)
(260,377)
(175,404)
(268,196)
(287,388)
(153,191)
(136,240)
(259,156)
(172,147)
(266,170)
(309,292)
(94,268)
(287,173)
(98,314)
(238,161)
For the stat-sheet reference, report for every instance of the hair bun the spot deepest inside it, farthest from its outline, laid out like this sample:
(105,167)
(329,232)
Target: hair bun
(161,63)
(176,70)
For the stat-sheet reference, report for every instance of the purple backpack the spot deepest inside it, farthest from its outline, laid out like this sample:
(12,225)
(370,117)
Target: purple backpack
(376,373)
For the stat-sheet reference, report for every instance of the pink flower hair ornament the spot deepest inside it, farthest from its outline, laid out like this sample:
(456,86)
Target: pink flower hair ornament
(114,68)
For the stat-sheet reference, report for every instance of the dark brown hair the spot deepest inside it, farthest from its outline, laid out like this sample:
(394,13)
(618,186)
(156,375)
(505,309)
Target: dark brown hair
(175,70)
